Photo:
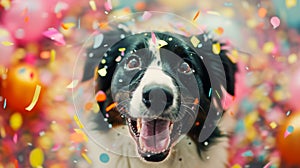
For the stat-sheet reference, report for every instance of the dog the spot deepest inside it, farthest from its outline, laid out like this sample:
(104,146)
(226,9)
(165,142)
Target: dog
(167,89)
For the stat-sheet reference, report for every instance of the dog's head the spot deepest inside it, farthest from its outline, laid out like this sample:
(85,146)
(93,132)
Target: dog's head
(162,87)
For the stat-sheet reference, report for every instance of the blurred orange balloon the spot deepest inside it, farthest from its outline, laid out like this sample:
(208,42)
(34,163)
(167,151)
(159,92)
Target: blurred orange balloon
(288,140)
(19,86)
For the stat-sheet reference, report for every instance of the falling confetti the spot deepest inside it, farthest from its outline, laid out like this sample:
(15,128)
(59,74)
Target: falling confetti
(275,21)
(216,48)
(86,158)
(147,15)
(195,41)
(122,50)
(36,157)
(289,130)
(108,5)
(153,37)
(268,165)
(16,121)
(273,125)
(73,84)
(196,15)
(102,72)
(248,153)
(210,91)
(104,158)
(15,138)
(290,3)
(93,5)
(67,26)
(100,96)
(219,30)
(161,43)
(4,104)
(55,35)
(262,12)
(98,40)
(35,98)
(79,124)
(111,106)
(7,43)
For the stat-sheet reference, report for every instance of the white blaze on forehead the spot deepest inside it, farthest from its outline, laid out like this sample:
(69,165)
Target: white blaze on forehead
(154,48)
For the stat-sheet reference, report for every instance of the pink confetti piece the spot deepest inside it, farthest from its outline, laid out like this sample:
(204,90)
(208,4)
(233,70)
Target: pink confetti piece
(55,35)
(108,5)
(268,165)
(275,21)
(55,147)
(147,15)
(15,138)
(153,37)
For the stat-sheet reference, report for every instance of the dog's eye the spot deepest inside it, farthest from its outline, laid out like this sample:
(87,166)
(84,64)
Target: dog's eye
(133,62)
(185,68)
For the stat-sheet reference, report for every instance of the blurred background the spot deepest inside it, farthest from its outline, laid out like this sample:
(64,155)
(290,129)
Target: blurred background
(40,41)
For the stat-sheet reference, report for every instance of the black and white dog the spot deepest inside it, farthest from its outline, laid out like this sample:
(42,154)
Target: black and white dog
(167,88)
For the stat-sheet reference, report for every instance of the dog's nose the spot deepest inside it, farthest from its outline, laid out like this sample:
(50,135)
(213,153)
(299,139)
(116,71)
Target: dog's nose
(157,98)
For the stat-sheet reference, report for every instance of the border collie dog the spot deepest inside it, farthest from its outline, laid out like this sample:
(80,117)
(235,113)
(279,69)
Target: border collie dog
(167,88)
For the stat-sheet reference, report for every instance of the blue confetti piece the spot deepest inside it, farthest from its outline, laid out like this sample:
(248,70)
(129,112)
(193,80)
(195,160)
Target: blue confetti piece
(248,153)
(290,129)
(22,70)
(104,158)
(210,90)
(4,104)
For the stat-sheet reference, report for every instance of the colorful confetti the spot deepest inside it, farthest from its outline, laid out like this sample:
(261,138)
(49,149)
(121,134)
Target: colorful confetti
(195,41)
(93,5)
(262,12)
(290,3)
(147,15)
(7,43)
(104,158)
(102,72)
(36,157)
(86,158)
(4,103)
(35,98)
(55,35)
(16,121)
(216,48)
(100,96)
(73,84)
(196,15)
(78,122)
(153,37)
(110,107)
(275,21)
(98,40)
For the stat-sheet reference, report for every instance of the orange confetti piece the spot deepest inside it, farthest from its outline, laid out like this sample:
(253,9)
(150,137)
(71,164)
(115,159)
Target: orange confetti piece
(67,26)
(104,25)
(100,96)
(26,19)
(262,12)
(196,101)
(88,106)
(110,107)
(140,6)
(35,98)
(77,137)
(196,15)
(45,54)
(219,30)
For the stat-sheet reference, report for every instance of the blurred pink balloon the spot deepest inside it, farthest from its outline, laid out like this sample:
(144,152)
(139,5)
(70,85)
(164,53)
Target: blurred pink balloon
(27,19)
(295,90)
(6,47)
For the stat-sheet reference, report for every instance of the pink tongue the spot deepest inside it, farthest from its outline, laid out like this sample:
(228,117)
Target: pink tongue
(155,135)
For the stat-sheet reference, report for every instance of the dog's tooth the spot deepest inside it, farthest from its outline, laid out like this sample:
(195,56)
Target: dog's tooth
(138,125)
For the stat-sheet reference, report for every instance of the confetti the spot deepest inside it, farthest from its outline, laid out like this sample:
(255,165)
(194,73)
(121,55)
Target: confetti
(292,58)
(273,125)
(100,96)
(289,130)
(122,50)
(210,91)
(195,41)
(45,54)
(111,106)
(15,138)
(73,84)
(262,12)
(55,35)
(219,31)
(16,121)
(290,3)
(213,13)
(248,153)
(35,98)
(161,43)
(79,124)
(216,48)
(67,26)
(78,136)
(104,158)
(108,5)
(196,15)
(52,55)
(275,21)
(118,59)
(147,15)
(268,47)
(93,5)
(153,37)
(102,72)
(4,104)
(36,157)
(7,43)
(268,165)
(86,158)
(55,147)
(98,40)
(236,166)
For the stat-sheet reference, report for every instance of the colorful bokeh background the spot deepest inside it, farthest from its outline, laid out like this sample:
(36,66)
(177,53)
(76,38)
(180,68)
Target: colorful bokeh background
(40,41)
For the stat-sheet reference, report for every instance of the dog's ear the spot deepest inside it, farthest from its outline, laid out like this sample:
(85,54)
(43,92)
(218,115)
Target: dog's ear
(105,40)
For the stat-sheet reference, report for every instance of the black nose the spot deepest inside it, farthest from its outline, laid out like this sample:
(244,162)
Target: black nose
(157,98)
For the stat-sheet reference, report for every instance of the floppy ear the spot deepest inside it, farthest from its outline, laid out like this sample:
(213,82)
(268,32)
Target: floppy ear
(103,83)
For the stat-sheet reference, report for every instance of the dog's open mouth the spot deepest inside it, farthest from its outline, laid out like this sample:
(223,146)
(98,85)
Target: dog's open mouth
(153,137)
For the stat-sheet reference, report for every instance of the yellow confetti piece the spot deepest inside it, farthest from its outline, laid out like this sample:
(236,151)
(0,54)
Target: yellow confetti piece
(268,47)
(213,13)
(52,55)
(292,58)
(236,166)
(2,132)
(273,125)
(36,157)
(102,72)
(93,5)
(73,84)
(161,43)
(195,41)
(78,121)
(68,26)
(16,121)
(35,98)
(290,3)
(122,49)
(86,158)
(5,3)
(7,43)
(216,48)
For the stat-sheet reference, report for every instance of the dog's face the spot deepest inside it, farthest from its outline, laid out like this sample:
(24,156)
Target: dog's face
(159,83)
